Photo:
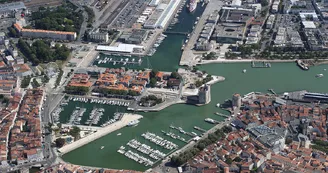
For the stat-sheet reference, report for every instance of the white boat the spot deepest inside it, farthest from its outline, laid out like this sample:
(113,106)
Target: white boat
(126,59)
(218,105)
(244,71)
(133,123)
(319,75)
(102,147)
(119,134)
(114,62)
(132,59)
(324,69)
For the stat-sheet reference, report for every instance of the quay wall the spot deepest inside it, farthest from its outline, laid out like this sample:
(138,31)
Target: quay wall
(254,60)
(100,133)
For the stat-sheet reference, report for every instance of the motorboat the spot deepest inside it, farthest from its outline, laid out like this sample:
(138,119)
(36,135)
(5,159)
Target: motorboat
(218,105)
(102,147)
(319,75)
(244,71)
(119,134)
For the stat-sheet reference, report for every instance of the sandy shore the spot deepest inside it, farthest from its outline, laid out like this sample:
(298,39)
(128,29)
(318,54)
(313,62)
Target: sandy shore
(100,133)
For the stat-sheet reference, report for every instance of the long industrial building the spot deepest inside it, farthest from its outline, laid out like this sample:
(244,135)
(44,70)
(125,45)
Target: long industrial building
(162,15)
(39,33)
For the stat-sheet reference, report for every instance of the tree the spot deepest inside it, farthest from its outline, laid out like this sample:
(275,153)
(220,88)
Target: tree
(198,83)
(228,161)
(264,3)
(153,73)
(59,125)
(153,82)
(35,83)
(175,75)
(60,142)
(75,132)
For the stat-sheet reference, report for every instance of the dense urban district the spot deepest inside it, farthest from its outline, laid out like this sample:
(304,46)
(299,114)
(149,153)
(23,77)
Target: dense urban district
(55,54)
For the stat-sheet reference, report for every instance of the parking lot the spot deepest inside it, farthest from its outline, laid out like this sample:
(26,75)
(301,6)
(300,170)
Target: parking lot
(130,14)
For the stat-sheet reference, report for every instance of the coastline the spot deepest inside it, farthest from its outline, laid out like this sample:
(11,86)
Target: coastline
(222,61)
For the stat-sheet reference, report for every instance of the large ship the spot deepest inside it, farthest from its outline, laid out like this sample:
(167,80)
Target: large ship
(192,5)
(133,123)
(302,65)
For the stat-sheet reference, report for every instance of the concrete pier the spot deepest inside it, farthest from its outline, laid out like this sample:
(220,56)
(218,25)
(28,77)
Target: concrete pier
(100,133)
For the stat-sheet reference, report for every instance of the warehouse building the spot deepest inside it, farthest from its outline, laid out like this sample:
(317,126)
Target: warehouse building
(162,14)
(229,33)
(137,36)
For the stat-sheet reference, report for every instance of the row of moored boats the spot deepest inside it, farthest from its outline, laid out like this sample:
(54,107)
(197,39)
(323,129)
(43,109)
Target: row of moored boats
(100,101)
(159,141)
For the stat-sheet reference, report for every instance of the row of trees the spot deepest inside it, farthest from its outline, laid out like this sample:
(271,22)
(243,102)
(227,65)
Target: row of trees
(26,81)
(78,90)
(59,77)
(212,138)
(40,51)
(62,18)
(204,81)
(320,145)
(107,91)
(151,100)
(91,15)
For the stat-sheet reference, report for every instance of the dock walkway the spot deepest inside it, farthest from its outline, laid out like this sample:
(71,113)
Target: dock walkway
(100,133)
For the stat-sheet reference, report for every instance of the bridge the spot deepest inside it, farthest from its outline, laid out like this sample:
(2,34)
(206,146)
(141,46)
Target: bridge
(176,32)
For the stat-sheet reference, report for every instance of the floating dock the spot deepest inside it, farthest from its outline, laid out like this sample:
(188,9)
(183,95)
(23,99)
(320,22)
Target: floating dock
(260,65)
(199,129)
(221,114)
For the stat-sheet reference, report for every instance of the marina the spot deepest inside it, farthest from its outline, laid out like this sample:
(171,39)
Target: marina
(76,116)
(256,79)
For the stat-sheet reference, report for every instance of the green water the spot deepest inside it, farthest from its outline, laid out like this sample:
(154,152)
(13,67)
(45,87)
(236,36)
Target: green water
(281,77)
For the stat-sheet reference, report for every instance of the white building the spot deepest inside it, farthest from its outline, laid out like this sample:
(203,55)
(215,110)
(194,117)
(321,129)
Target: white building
(121,48)
(98,36)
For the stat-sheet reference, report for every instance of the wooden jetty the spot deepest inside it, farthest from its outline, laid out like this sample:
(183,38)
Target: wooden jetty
(221,114)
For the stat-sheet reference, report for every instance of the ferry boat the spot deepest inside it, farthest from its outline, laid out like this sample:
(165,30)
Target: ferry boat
(302,65)
(319,75)
(192,5)
(133,123)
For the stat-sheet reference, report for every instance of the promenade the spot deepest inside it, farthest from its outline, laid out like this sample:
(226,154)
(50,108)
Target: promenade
(100,133)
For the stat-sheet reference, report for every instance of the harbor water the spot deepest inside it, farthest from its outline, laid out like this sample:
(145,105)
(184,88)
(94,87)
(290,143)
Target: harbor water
(281,77)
